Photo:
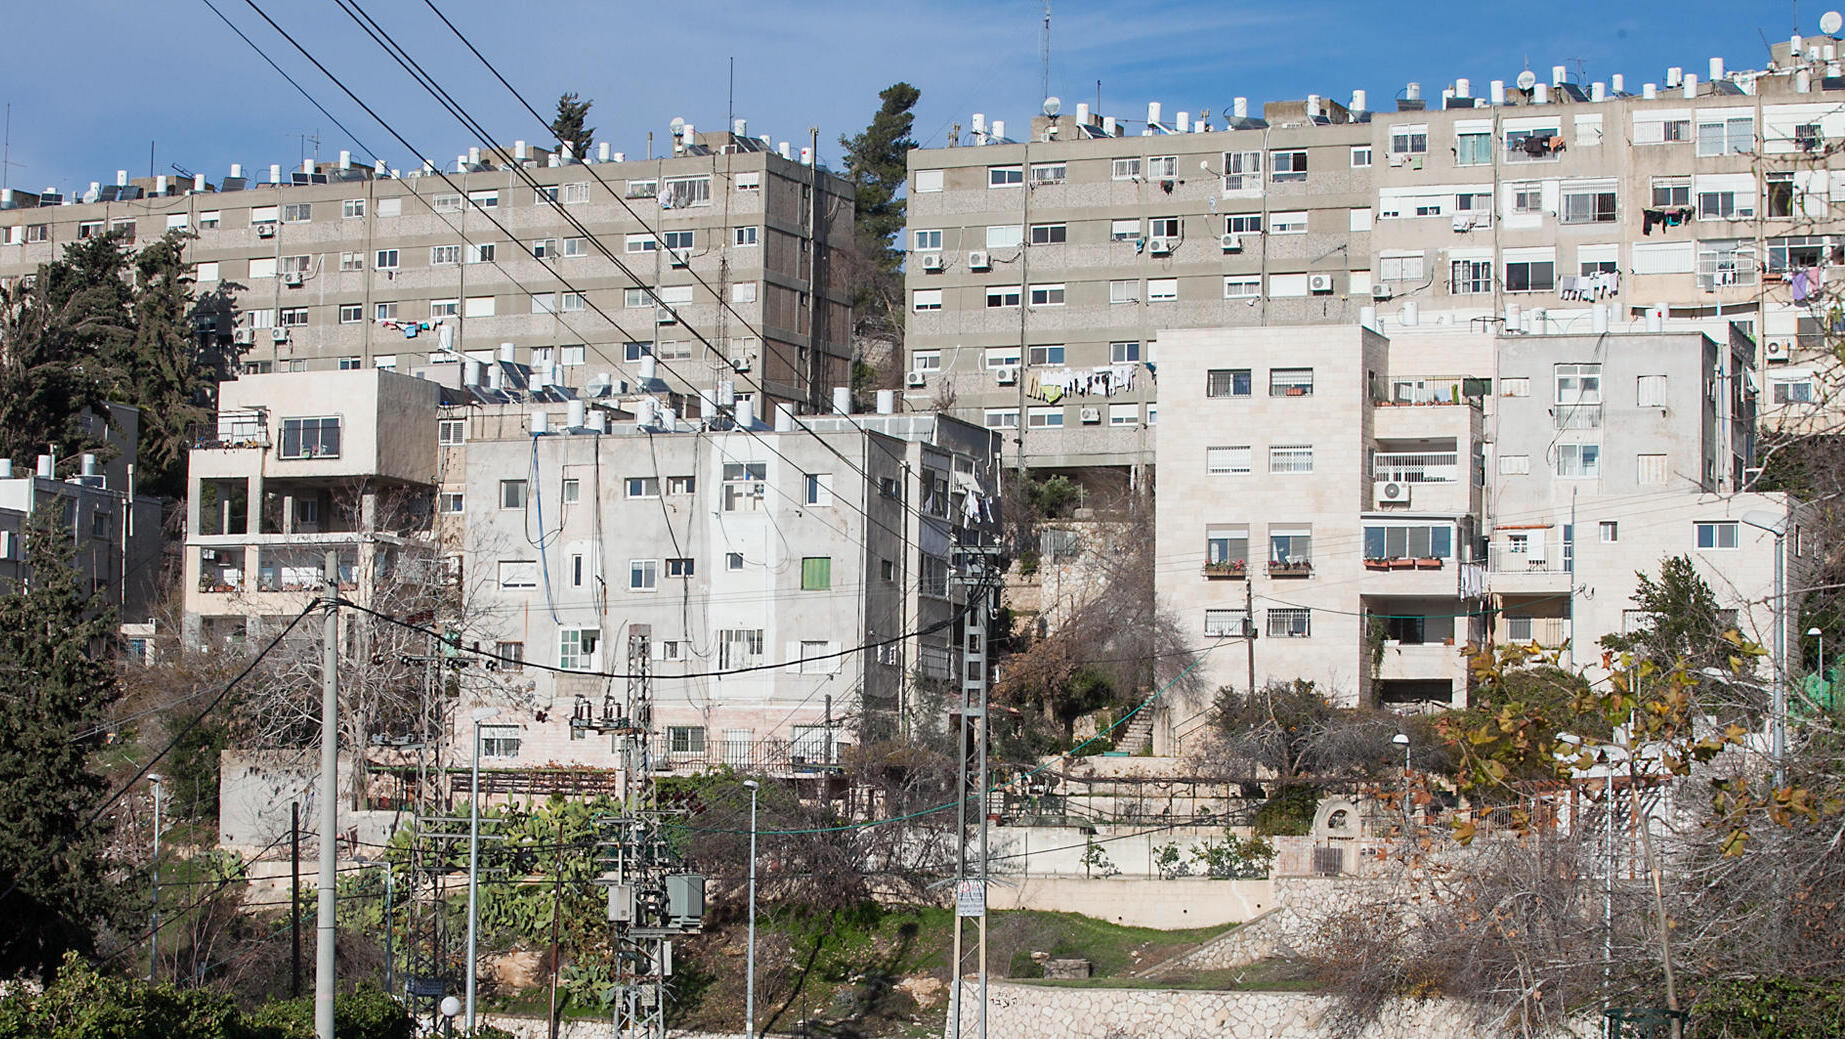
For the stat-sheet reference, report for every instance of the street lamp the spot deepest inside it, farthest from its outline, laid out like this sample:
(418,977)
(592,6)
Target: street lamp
(481,714)
(450,1007)
(1814,632)
(749,997)
(153,930)
(1401,739)
(1776,524)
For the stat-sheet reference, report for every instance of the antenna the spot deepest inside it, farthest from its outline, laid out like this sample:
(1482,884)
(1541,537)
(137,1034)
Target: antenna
(1831,22)
(1046,52)
(1527,79)
(1052,106)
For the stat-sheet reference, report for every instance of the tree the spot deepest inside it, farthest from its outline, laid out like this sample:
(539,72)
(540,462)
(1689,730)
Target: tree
(568,127)
(876,163)
(1682,620)
(54,691)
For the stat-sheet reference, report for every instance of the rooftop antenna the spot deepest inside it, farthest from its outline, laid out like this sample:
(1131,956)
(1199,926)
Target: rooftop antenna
(1831,22)
(730,101)
(1046,52)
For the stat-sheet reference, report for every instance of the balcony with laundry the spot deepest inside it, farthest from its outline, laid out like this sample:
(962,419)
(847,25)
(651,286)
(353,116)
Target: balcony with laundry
(1534,559)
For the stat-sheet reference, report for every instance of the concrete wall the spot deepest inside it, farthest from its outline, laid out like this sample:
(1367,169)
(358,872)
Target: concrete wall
(256,789)
(1138,902)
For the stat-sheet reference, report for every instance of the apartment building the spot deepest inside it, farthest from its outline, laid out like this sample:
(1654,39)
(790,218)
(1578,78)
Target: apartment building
(1042,267)
(721,259)
(740,567)
(1332,507)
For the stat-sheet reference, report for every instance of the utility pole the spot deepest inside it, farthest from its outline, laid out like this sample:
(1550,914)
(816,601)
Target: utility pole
(329,802)
(1249,629)
(294,900)
(971,725)
(153,931)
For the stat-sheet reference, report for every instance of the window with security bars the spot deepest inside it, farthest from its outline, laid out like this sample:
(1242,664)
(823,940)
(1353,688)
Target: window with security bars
(739,647)
(685,739)
(1290,458)
(1470,277)
(499,741)
(1290,623)
(1227,382)
(1223,623)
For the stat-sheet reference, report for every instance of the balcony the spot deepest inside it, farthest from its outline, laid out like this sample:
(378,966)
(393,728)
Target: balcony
(1231,571)
(1408,467)
(247,428)
(1422,662)
(1537,562)
(1290,568)
(1414,390)
(1577,416)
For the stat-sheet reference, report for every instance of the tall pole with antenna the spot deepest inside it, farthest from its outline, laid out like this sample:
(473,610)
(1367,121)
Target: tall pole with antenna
(1045,51)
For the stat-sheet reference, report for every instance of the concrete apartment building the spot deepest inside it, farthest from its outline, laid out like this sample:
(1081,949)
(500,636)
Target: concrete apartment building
(1381,516)
(342,266)
(1042,267)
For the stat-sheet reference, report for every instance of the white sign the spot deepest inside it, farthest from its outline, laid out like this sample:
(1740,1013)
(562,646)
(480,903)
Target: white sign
(970,898)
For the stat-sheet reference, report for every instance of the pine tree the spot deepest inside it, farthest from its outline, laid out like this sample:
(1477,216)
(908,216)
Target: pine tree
(568,127)
(1682,623)
(168,371)
(54,690)
(876,164)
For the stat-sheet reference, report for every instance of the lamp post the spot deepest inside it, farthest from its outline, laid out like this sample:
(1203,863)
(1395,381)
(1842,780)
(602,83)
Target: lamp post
(1814,632)
(1401,739)
(749,960)
(481,714)
(153,929)
(1776,524)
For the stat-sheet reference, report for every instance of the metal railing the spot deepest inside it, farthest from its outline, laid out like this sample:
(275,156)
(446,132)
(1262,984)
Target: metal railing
(1505,557)
(1577,416)
(775,755)
(1549,632)
(1427,389)
(1409,467)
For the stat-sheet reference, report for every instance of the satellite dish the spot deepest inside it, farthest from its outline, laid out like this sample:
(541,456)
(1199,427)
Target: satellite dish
(677,126)
(598,385)
(1052,106)
(1831,22)
(1527,79)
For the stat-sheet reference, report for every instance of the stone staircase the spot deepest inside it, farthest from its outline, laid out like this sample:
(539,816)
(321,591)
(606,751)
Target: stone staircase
(1136,737)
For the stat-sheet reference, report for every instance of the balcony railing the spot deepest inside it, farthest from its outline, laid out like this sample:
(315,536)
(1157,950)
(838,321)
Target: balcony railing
(1405,467)
(1548,632)
(1505,557)
(234,429)
(803,754)
(1431,389)
(1577,416)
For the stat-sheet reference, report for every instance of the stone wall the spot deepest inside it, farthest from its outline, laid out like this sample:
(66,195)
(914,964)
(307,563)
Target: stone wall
(1181,903)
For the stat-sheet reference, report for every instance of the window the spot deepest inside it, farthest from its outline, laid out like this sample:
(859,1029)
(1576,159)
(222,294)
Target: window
(571,491)
(1530,275)
(1726,205)
(1718,135)
(1408,541)
(1124,169)
(444,204)
(1718,534)
(1361,157)
(1290,382)
(744,486)
(1671,191)
(1470,277)
(1043,355)
(1243,223)
(571,356)
(1227,461)
(441,308)
(1288,166)
(384,311)
(451,502)
(1409,139)
(1289,623)
(1162,290)
(1650,391)
(1579,461)
(1162,167)
(1123,230)
(679,241)
(451,431)
(643,486)
(1003,296)
(685,739)
(310,438)
(352,313)
(1792,388)
(1045,418)
(1124,414)
(1514,465)
(442,255)
(1532,145)
(1123,353)
(1589,206)
(386,260)
(1287,223)
(352,261)
(817,488)
(1650,469)
(1473,149)
(1579,383)
(643,575)
(739,647)
(1226,546)
(512,494)
(926,360)
(1001,418)
(1049,173)
(1290,458)
(518,573)
(499,741)
(544,249)
(1005,236)
(1725,263)
(1165,227)
(1124,291)
(1002,357)
(640,243)
(928,181)
(924,241)
(90,229)
(1049,234)
(1227,382)
(292,317)
(297,213)
(1608,531)
(1402,269)
(1224,623)
(1047,295)
(733,560)
(478,306)
(816,573)
(1242,171)
(1004,176)
(263,267)
(576,648)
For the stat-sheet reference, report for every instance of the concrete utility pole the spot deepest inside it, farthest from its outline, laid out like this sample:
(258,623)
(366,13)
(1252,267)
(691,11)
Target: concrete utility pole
(329,802)
(971,725)
(153,931)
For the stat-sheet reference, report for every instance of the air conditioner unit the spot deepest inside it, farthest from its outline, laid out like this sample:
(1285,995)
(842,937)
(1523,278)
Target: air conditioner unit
(665,316)
(1391,492)
(1006,376)
(1382,290)
(740,364)
(292,279)
(278,334)
(243,336)
(1320,284)
(265,230)
(1160,246)
(1233,243)
(931,261)
(914,380)
(1778,353)
(1091,416)
(978,260)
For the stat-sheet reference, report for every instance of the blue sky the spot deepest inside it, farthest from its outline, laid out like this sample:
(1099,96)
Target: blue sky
(92,82)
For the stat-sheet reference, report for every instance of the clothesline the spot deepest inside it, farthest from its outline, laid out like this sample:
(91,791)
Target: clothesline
(1104,381)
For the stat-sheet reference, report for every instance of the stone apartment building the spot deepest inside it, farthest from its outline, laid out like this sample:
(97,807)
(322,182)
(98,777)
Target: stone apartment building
(338,265)
(1380,515)
(1043,265)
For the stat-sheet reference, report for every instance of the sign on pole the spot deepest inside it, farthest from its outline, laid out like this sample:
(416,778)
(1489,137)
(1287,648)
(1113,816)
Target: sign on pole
(970,898)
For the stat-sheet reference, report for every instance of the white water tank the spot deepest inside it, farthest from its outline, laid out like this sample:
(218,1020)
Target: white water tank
(541,422)
(1367,317)
(1411,314)
(784,418)
(576,414)
(842,400)
(887,402)
(1598,318)
(745,410)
